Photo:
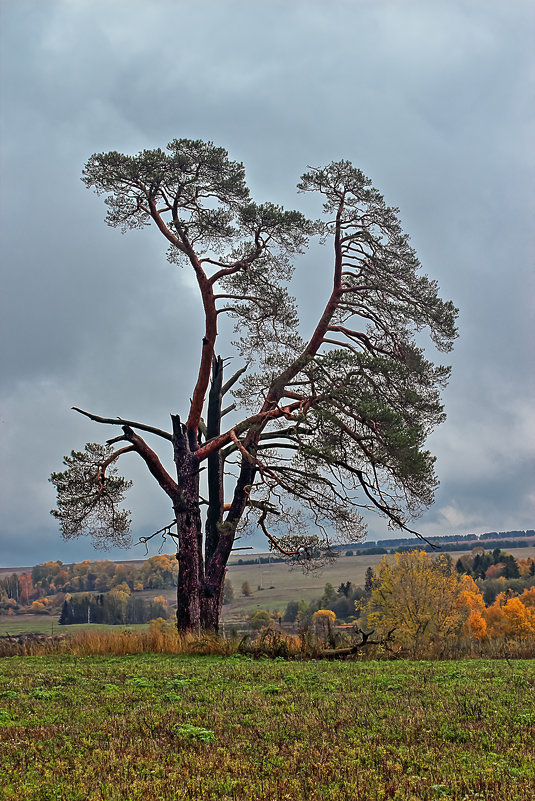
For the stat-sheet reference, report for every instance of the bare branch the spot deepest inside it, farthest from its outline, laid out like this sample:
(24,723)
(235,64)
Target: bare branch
(232,380)
(153,463)
(271,538)
(119,421)
(288,445)
(164,531)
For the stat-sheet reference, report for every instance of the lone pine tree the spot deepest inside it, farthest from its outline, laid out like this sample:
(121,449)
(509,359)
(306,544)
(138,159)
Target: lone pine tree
(330,425)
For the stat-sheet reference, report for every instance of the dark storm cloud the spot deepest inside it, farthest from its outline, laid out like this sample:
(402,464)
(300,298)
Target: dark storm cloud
(432,100)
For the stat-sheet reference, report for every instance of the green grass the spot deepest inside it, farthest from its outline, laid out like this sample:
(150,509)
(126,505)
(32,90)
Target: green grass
(26,624)
(49,624)
(156,727)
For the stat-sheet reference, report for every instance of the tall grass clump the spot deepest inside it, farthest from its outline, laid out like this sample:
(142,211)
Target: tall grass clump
(156,640)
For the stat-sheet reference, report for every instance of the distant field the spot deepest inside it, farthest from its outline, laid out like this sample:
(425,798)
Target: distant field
(24,624)
(180,728)
(48,624)
(279,584)
(291,584)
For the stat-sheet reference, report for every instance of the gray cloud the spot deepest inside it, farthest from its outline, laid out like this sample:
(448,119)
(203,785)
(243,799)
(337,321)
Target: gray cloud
(433,101)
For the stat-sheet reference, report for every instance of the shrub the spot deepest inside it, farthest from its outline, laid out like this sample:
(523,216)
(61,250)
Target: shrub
(260,619)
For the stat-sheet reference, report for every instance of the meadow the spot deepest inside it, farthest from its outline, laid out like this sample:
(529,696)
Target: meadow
(48,624)
(159,727)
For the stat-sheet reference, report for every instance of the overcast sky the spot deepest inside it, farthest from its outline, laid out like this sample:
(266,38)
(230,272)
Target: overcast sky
(433,100)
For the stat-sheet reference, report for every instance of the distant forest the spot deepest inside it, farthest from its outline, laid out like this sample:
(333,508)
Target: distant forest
(448,542)
(53,578)
(497,536)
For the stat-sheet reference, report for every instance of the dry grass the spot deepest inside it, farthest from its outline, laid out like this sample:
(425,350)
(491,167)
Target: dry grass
(162,638)
(117,643)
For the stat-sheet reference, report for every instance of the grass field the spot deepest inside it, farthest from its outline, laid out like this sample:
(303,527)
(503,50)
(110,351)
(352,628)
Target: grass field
(281,584)
(48,624)
(166,727)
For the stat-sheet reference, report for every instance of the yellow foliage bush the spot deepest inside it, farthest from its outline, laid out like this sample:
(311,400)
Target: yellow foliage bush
(323,621)
(420,597)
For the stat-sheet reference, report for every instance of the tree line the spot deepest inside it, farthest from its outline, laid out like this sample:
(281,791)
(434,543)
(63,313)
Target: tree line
(457,542)
(50,578)
(441,541)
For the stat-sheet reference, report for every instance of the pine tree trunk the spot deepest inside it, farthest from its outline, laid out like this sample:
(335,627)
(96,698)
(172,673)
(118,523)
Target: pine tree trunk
(189,531)
(189,585)
(215,561)
(199,598)
(201,577)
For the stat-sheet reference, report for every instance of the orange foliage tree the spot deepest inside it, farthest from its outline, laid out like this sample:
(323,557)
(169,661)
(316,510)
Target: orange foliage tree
(424,600)
(511,617)
(470,601)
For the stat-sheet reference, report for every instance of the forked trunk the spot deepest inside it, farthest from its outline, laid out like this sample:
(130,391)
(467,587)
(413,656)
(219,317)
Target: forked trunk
(201,577)
(199,597)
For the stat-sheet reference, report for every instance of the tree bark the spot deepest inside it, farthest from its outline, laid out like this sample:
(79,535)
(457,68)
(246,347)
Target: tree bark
(189,531)
(200,581)
(189,556)
(211,606)
(214,514)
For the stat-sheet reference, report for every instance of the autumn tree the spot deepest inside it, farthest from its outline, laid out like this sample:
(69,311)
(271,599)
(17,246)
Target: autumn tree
(418,596)
(260,619)
(323,621)
(528,598)
(512,617)
(471,602)
(328,424)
